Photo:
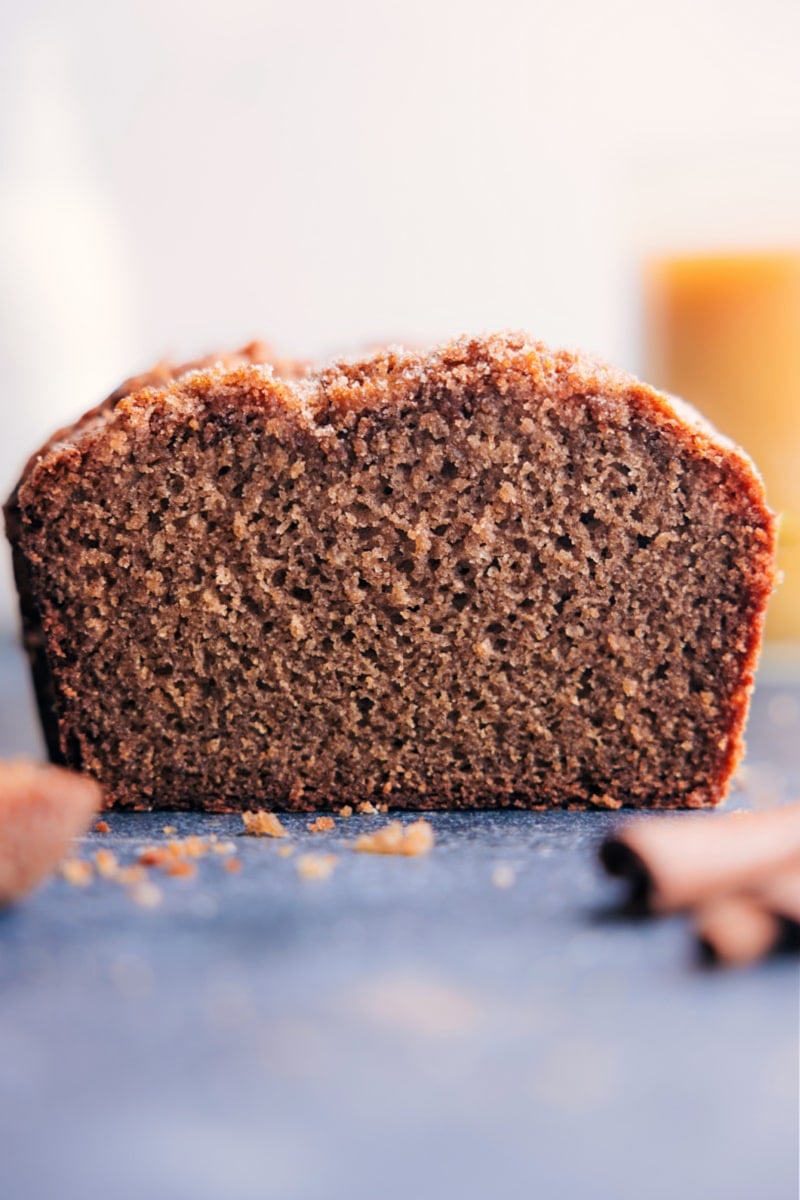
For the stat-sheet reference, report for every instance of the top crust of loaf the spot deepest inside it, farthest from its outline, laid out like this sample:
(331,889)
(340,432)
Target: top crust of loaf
(392,376)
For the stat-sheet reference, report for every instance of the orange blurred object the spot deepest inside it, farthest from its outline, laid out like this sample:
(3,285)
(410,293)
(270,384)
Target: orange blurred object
(723,331)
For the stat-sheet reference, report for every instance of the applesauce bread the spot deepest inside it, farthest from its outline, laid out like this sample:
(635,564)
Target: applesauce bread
(490,575)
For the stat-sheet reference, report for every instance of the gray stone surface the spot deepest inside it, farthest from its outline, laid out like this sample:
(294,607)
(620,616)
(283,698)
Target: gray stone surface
(403,1029)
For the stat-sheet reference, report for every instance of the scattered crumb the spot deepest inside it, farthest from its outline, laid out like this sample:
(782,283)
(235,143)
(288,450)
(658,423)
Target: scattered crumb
(174,857)
(192,847)
(346,811)
(504,876)
(394,838)
(154,856)
(223,848)
(383,808)
(316,866)
(102,827)
(286,851)
(321,825)
(77,871)
(106,863)
(263,824)
(169,830)
(146,895)
(130,875)
(181,869)
(367,808)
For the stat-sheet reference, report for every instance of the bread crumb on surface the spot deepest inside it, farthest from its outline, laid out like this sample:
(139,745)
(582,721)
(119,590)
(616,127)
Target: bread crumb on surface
(286,851)
(263,824)
(316,866)
(102,827)
(174,857)
(154,856)
(170,829)
(321,825)
(146,895)
(367,808)
(192,847)
(395,838)
(223,848)
(504,876)
(346,811)
(77,871)
(233,865)
(130,875)
(106,864)
(181,869)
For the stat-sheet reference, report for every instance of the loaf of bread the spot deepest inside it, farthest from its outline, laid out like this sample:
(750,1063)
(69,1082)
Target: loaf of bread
(493,575)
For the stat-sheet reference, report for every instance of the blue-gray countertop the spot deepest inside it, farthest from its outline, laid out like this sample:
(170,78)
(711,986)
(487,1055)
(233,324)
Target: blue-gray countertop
(403,1029)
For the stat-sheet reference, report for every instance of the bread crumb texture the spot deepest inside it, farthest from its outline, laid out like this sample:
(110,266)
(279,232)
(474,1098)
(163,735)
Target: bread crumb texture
(316,866)
(77,872)
(321,825)
(263,824)
(106,864)
(493,575)
(395,838)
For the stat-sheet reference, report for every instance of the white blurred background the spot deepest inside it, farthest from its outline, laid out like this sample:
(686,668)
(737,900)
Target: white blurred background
(177,177)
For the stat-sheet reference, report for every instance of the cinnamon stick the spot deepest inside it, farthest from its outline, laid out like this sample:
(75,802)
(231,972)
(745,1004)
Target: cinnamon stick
(673,863)
(735,930)
(41,809)
(741,927)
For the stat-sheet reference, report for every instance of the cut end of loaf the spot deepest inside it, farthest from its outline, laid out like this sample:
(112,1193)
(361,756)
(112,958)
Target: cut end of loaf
(490,576)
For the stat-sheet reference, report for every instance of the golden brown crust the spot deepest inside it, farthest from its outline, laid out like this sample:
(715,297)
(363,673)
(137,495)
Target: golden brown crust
(392,376)
(160,377)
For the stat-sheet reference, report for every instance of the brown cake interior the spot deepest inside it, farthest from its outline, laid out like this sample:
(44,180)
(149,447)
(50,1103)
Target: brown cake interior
(446,588)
